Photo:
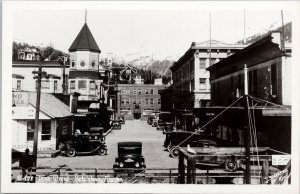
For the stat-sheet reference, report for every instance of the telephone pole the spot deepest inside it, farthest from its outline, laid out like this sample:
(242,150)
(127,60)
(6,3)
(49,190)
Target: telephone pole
(39,74)
(247,128)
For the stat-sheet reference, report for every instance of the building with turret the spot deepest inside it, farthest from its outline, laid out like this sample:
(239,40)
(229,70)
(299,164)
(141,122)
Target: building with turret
(84,76)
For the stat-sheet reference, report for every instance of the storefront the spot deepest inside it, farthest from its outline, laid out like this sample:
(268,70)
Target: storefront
(55,122)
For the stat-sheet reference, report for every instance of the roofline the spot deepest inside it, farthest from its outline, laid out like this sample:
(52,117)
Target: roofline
(82,49)
(37,64)
(268,37)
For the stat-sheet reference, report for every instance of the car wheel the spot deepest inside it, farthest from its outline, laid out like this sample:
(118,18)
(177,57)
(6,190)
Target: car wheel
(71,152)
(169,147)
(230,165)
(174,151)
(102,151)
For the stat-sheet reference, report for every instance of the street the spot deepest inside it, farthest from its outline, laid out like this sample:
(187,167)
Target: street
(132,130)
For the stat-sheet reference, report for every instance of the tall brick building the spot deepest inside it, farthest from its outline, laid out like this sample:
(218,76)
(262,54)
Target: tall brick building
(136,101)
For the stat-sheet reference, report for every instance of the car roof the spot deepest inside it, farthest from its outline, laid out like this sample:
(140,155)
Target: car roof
(130,143)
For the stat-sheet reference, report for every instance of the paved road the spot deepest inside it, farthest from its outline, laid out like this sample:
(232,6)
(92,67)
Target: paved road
(133,130)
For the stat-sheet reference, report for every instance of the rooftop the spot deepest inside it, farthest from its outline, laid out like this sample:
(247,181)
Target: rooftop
(84,41)
(50,105)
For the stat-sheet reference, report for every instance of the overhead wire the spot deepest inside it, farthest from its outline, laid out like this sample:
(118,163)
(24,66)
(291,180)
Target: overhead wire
(211,120)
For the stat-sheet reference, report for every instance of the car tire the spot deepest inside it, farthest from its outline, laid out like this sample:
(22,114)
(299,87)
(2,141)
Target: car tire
(102,151)
(230,165)
(174,151)
(71,152)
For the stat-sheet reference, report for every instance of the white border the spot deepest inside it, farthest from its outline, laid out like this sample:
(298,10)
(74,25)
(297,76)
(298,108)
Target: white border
(9,7)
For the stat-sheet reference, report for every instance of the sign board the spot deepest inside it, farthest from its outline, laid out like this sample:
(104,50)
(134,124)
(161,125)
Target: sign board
(20,98)
(280,159)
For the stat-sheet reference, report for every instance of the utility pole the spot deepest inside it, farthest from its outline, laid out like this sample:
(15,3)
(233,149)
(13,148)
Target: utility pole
(247,128)
(39,76)
(64,75)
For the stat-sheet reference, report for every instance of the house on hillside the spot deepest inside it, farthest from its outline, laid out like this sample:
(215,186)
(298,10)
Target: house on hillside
(29,53)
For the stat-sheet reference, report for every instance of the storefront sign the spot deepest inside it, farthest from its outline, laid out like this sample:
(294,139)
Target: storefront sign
(22,147)
(20,98)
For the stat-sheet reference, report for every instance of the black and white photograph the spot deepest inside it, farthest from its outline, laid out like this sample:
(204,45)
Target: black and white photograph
(150,96)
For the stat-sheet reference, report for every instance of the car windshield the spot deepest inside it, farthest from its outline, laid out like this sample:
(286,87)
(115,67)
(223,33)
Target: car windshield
(130,148)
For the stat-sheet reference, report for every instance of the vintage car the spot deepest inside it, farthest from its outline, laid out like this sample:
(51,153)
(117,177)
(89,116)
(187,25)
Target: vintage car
(129,157)
(150,119)
(154,123)
(87,143)
(161,125)
(194,139)
(122,120)
(116,125)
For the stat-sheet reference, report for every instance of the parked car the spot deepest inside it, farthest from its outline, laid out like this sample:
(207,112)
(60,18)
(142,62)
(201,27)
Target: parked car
(87,143)
(129,156)
(183,138)
(154,122)
(161,125)
(150,120)
(116,124)
(122,120)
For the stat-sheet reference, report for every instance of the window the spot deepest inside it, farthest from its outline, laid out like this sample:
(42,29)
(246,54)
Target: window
(128,71)
(55,85)
(82,84)
(273,79)
(123,101)
(151,91)
(146,91)
(82,63)
(45,84)
(134,92)
(159,101)
(127,101)
(30,130)
(140,92)
(93,64)
(92,85)
(155,101)
(202,83)
(133,101)
(146,101)
(213,61)
(72,85)
(151,101)
(46,130)
(73,64)
(127,92)
(123,91)
(18,84)
(202,63)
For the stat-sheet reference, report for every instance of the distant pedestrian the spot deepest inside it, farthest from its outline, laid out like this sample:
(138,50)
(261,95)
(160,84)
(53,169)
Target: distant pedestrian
(26,162)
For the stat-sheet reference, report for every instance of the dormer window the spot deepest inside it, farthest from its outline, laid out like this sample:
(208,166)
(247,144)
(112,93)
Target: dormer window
(82,63)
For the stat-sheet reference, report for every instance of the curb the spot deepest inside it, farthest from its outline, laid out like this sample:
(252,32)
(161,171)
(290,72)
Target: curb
(107,132)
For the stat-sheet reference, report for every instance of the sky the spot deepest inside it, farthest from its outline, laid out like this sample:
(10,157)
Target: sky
(160,32)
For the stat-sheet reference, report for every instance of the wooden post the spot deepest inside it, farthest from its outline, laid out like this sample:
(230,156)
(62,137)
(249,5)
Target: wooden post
(265,173)
(37,113)
(191,171)
(170,176)
(181,168)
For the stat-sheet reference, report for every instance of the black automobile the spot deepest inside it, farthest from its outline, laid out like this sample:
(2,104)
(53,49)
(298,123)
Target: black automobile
(122,120)
(129,157)
(116,124)
(87,143)
(161,125)
(194,139)
(150,120)
(154,123)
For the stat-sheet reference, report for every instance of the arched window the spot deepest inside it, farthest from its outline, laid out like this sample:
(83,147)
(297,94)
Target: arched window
(73,64)
(93,63)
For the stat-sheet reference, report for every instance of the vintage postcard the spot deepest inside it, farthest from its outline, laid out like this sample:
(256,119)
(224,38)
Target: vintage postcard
(150,97)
